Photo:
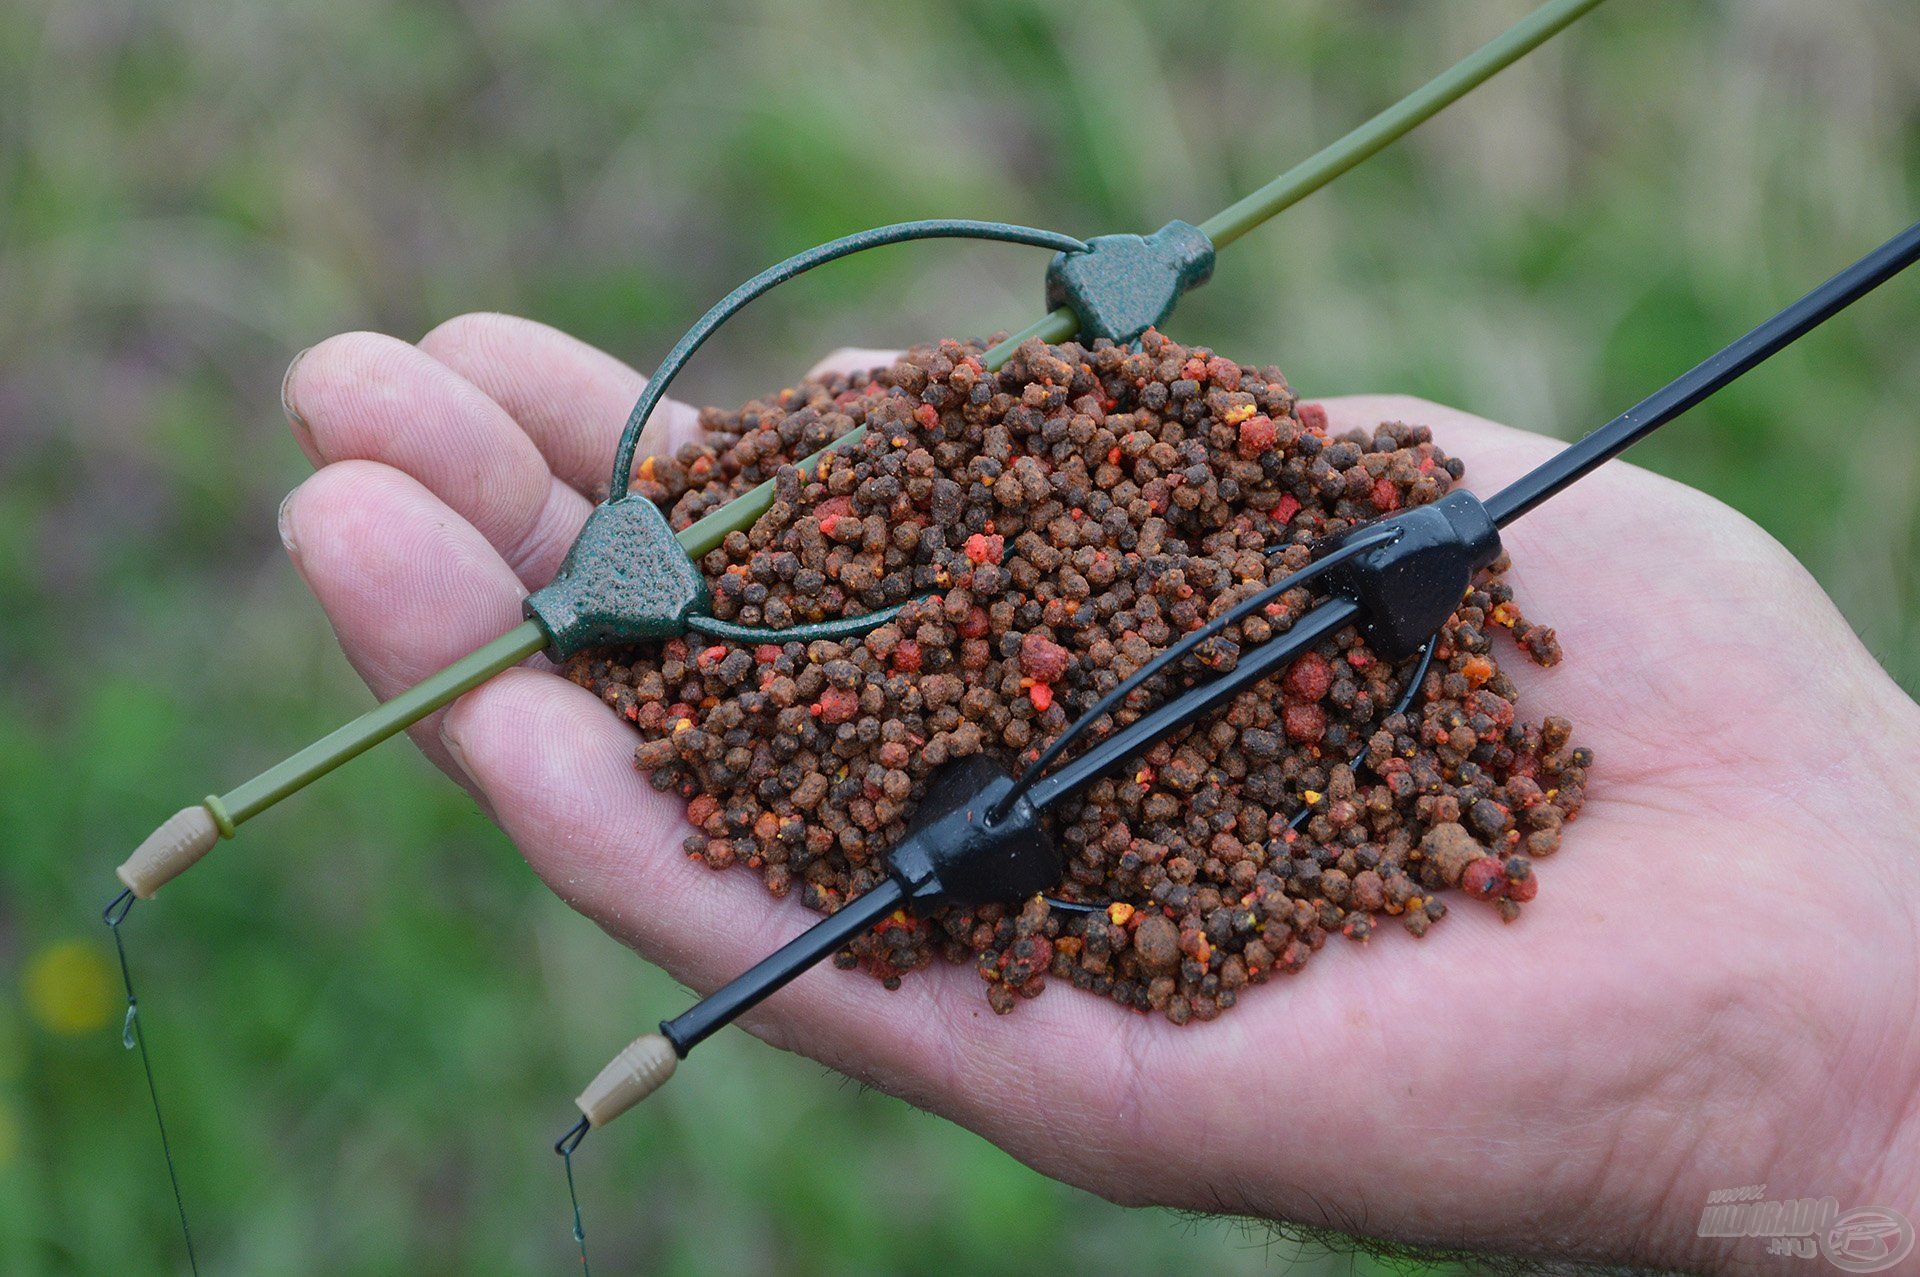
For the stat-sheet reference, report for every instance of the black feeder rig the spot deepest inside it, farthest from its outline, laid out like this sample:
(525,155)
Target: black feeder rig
(979,834)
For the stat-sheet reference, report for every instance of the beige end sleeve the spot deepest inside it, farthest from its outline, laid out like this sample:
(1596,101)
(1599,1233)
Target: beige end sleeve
(634,1074)
(186,836)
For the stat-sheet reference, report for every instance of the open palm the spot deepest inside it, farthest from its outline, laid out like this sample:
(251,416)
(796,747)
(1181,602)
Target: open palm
(1716,987)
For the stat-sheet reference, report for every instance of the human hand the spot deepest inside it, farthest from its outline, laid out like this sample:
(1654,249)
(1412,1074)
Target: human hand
(1716,986)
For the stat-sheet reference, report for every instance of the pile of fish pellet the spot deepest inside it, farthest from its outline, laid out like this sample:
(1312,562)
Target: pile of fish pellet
(1050,527)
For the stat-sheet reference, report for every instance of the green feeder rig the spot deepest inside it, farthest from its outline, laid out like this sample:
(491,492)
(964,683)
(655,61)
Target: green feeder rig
(630,579)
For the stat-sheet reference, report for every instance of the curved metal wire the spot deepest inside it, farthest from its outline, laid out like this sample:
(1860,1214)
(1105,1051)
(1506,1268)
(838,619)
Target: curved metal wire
(799,263)
(1362,542)
(1408,695)
(836,630)
(571,1140)
(133,1034)
(565,1146)
(118,908)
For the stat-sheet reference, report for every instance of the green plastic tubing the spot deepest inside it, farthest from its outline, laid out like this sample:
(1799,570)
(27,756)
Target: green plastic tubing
(1314,172)
(382,721)
(1396,121)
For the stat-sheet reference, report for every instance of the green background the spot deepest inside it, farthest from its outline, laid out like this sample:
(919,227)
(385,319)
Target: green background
(368,1017)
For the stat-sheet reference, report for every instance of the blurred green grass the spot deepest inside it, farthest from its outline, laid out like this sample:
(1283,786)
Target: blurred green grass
(365,1045)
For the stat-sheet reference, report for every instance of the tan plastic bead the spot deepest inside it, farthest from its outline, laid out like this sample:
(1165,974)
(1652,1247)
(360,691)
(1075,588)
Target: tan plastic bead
(633,1075)
(186,836)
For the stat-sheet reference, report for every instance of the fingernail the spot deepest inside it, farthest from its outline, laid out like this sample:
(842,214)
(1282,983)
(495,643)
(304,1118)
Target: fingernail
(294,419)
(285,521)
(452,745)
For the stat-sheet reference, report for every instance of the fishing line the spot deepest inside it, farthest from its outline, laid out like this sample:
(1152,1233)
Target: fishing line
(567,1143)
(133,1035)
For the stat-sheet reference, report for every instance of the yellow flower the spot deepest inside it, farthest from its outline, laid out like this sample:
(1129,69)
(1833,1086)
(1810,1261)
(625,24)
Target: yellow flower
(69,988)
